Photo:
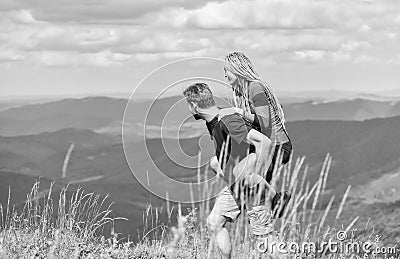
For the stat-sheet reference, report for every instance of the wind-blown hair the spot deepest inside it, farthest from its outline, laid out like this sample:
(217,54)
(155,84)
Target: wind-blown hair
(241,66)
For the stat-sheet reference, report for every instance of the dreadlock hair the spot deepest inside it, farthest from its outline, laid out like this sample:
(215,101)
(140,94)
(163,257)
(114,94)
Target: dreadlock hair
(241,66)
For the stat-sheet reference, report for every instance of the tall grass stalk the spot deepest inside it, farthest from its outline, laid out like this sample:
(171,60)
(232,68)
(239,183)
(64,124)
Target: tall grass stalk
(76,217)
(303,219)
(72,220)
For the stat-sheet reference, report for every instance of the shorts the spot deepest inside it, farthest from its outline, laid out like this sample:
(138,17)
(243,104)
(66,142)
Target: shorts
(286,149)
(260,218)
(226,205)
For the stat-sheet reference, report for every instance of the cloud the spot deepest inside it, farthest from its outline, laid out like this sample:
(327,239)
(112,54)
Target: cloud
(260,14)
(21,16)
(272,14)
(312,55)
(93,11)
(10,55)
(63,58)
(279,41)
(350,46)
(108,33)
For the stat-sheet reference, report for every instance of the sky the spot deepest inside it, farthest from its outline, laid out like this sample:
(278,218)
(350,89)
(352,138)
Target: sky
(68,47)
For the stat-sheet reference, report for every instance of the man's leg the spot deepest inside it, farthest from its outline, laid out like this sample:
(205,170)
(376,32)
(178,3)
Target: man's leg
(217,225)
(225,209)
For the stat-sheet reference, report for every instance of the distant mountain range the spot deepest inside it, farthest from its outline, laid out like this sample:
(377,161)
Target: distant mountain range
(335,95)
(360,146)
(348,109)
(104,115)
(86,113)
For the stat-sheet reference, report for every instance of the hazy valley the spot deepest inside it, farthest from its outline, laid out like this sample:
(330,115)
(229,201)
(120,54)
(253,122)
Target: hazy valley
(365,149)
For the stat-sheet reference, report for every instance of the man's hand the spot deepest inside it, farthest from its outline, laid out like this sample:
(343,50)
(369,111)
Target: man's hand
(229,111)
(247,115)
(215,166)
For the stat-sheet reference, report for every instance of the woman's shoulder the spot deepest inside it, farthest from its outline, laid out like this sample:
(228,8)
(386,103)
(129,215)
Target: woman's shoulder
(256,87)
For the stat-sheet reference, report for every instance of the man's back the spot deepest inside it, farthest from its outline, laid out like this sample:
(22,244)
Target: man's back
(235,129)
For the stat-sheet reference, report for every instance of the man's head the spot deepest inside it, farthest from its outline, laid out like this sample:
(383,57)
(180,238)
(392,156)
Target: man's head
(199,98)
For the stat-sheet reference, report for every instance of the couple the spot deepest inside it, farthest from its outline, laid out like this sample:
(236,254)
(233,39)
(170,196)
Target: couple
(242,136)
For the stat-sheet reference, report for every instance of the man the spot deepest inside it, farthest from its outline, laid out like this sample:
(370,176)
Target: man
(238,148)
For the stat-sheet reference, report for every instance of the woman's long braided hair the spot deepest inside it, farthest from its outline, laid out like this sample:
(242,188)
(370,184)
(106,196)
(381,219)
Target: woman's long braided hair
(241,66)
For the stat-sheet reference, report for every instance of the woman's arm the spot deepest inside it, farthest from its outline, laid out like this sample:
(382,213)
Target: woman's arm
(262,117)
(261,107)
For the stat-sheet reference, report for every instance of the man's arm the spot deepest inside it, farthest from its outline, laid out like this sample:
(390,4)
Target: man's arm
(215,166)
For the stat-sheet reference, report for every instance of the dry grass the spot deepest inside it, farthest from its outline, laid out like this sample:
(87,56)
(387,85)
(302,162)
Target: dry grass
(72,227)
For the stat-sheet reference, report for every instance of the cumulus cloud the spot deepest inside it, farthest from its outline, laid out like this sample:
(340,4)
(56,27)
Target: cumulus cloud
(283,14)
(64,58)
(108,33)
(261,14)
(313,55)
(10,55)
(21,16)
(93,11)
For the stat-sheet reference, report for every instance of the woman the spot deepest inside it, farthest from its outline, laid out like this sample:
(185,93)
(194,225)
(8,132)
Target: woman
(254,100)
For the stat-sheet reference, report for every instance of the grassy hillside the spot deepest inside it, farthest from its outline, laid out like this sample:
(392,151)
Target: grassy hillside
(360,150)
(71,228)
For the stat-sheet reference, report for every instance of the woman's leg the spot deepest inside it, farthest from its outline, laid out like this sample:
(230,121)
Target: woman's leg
(286,151)
(250,184)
